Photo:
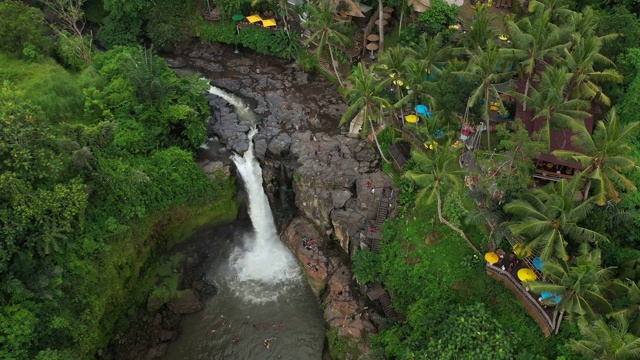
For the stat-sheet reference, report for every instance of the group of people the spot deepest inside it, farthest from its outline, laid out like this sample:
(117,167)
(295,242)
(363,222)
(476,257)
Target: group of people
(337,148)
(385,190)
(308,243)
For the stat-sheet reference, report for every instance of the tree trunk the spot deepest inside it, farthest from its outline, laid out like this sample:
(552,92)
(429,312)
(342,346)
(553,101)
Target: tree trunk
(375,137)
(486,100)
(451,226)
(380,26)
(333,63)
(402,6)
(526,93)
(586,191)
(285,14)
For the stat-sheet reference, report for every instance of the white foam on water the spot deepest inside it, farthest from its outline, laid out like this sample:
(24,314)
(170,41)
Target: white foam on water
(263,269)
(242,110)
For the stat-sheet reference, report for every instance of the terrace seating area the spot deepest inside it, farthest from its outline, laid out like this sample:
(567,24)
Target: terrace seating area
(553,172)
(514,272)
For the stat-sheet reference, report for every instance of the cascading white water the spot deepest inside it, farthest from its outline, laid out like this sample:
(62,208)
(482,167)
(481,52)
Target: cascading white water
(242,110)
(264,268)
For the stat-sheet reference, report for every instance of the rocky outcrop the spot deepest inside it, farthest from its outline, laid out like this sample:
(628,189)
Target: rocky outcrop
(187,302)
(334,176)
(330,278)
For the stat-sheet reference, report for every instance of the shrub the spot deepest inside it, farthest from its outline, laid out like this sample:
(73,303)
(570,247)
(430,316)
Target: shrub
(22,28)
(65,49)
(438,17)
(120,29)
(224,32)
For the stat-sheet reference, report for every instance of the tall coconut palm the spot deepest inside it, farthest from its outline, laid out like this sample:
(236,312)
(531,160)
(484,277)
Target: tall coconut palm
(367,97)
(537,41)
(392,64)
(606,155)
(480,31)
(327,32)
(604,340)
(416,83)
(433,51)
(436,173)
(549,217)
(483,70)
(581,283)
(584,79)
(548,100)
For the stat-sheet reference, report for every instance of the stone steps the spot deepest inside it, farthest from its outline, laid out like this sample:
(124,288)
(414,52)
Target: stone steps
(385,301)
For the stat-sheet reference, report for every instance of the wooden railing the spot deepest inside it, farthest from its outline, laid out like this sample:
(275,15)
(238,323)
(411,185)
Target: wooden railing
(532,306)
(550,175)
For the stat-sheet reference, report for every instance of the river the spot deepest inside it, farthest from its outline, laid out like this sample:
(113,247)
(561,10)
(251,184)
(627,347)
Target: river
(293,322)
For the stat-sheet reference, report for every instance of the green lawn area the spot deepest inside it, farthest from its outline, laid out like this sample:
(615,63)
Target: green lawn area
(431,271)
(47,85)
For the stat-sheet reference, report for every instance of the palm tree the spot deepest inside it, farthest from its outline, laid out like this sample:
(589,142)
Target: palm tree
(581,283)
(480,31)
(606,155)
(548,100)
(607,341)
(416,83)
(536,42)
(433,51)
(549,216)
(327,31)
(580,63)
(367,96)
(483,70)
(436,173)
(392,64)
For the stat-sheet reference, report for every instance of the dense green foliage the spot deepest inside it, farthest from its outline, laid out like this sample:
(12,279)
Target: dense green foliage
(563,61)
(95,166)
(22,30)
(89,165)
(438,17)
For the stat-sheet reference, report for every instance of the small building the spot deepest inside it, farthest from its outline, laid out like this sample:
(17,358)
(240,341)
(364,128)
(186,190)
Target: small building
(400,152)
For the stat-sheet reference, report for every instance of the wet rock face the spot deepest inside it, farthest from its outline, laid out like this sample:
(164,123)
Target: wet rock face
(284,98)
(331,279)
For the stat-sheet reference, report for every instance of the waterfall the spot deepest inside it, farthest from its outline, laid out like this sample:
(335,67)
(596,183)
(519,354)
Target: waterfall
(264,268)
(242,110)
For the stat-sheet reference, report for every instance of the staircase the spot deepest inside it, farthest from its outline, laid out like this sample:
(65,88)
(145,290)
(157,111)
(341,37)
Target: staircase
(383,211)
(385,301)
(381,216)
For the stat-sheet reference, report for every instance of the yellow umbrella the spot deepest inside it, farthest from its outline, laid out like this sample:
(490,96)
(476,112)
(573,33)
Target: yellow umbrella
(254,18)
(411,119)
(269,22)
(491,257)
(522,250)
(526,274)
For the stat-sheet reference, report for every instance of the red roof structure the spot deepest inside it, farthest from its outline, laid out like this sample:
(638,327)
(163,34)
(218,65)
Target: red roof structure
(560,139)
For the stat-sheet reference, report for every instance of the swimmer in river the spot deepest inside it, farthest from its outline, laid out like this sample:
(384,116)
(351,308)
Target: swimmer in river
(235,339)
(266,344)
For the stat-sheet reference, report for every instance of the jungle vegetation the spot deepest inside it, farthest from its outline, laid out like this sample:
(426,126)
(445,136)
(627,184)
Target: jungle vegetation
(96,134)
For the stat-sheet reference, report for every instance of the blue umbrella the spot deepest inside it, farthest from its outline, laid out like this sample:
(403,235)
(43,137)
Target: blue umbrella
(551,298)
(422,109)
(537,263)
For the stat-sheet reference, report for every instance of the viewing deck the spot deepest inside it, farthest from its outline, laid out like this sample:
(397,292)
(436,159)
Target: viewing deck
(548,319)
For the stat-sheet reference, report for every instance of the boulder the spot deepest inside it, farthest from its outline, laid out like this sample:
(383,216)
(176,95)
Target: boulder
(348,227)
(340,198)
(156,352)
(165,335)
(186,302)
